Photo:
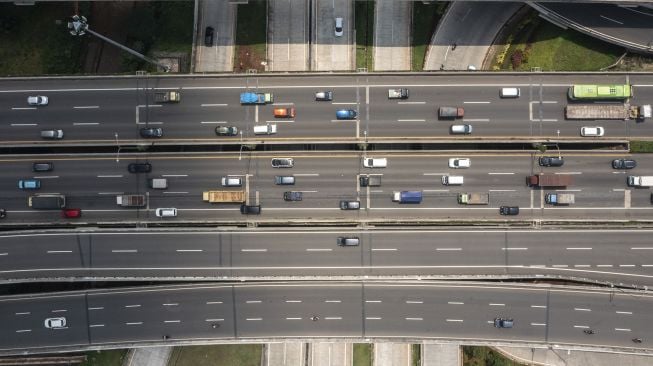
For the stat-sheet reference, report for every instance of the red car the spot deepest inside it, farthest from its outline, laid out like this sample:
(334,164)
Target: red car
(71,213)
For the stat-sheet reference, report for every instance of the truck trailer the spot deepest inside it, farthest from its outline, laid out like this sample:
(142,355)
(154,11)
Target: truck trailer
(608,111)
(256,98)
(549,180)
(407,196)
(451,112)
(474,198)
(131,200)
(640,181)
(47,201)
(224,196)
(559,199)
(167,97)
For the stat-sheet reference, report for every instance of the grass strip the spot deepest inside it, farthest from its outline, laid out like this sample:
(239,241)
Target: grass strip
(637,147)
(425,20)
(364,13)
(362,354)
(222,355)
(114,357)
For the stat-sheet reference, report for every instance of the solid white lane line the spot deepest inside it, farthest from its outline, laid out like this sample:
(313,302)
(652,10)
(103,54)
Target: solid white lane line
(414,319)
(501,190)
(455,320)
(373,301)
(110,176)
(332,318)
(23,108)
(253,301)
(622,329)
(189,250)
(333,301)
(582,309)
(23,313)
(411,102)
(214,320)
(59,311)
(384,249)
(578,248)
(476,102)
(171,304)
(213,122)
(581,326)
(641,248)
(134,323)
(172,321)
(293,318)
(293,301)
(124,250)
(373,318)
(539,306)
(46,177)
(253,250)
(213,302)
(476,120)
(174,175)
(411,120)
(95,325)
(414,302)
(539,324)
(501,173)
(86,123)
(345,103)
(253,319)
(492,304)
(214,105)
(59,251)
(178,192)
(24,124)
(306,175)
(448,249)
(133,306)
(318,250)
(97,308)
(514,248)
(624,312)
(455,303)
(86,107)
(23,330)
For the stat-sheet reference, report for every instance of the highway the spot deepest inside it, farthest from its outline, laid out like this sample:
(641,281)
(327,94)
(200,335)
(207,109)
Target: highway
(91,182)
(617,257)
(112,110)
(353,311)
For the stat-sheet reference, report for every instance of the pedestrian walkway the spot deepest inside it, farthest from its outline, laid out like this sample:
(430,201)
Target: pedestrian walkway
(441,355)
(284,354)
(219,55)
(391,354)
(392,35)
(148,356)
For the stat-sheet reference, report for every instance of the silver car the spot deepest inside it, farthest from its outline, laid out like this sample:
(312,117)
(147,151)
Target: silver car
(37,100)
(55,323)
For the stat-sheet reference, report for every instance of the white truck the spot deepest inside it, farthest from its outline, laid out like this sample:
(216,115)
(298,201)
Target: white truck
(560,199)
(640,181)
(269,129)
(474,198)
(401,93)
(608,111)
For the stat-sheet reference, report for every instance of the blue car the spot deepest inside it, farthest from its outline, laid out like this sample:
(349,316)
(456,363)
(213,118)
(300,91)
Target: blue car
(29,184)
(346,114)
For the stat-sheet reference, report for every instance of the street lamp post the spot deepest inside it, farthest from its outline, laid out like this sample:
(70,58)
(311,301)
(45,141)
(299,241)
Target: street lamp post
(240,153)
(117,144)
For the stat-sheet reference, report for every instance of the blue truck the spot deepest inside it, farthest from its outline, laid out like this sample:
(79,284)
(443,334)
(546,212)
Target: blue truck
(407,196)
(256,98)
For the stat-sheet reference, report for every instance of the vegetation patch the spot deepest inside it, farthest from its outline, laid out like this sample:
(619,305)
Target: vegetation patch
(218,355)
(416,354)
(113,357)
(35,40)
(364,11)
(538,43)
(425,20)
(641,147)
(485,356)
(251,36)
(362,354)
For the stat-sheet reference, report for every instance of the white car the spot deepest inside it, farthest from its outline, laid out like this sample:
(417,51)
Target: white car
(592,131)
(55,323)
(339,30)
(166,212)
(459,163)
(375,162)
(37,100)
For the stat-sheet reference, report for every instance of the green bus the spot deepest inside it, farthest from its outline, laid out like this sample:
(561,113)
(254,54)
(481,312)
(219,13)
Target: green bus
(601,92)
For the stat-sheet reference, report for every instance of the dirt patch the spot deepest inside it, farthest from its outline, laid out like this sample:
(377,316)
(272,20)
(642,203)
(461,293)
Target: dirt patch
(248,58)
(108,19)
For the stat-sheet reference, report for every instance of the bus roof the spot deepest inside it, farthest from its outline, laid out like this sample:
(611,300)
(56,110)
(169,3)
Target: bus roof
(623,91)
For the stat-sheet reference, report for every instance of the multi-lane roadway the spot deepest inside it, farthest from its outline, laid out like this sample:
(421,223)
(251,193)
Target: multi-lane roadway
(617,257)
(355,311)
(92,182)
(111,111)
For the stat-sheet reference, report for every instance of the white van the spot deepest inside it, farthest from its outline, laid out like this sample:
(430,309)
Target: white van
(510,93)
(460,129)
(158,183)
(375,162)
(232,182)
(265,129)
(452,180)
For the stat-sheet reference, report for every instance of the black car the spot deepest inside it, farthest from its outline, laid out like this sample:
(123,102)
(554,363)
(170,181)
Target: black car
(292,196)
(350,205)
(509,210)
(226,131)
(208,37)
(42,167)
(551,161)
(283,162)
(139,167)
(151,132)
(345,241)
(250,209)
(623,164)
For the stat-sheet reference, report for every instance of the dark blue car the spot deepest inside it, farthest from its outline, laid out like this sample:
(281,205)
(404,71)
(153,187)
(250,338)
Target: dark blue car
(346,114)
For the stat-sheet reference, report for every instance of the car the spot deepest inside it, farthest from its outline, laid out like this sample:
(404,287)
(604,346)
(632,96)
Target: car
(283,162)
(348,241)
(292,196)
(71,213)
(29,184)
(338,27)
(139,167)
(3,213)
(37,100)
(55,134)
(551,161)
(509,210)
(284,180)
(42,167)
(346,114)
(350,205)
(208,37)
(231,182)
(152,132)
(375,162)
(226,131)
(460,129)
(459,163)
(166,212)
(55,323)
(284,112)
(623,164)
(503,323)
(471,67)
(324,96)
(250,209)
(595,131)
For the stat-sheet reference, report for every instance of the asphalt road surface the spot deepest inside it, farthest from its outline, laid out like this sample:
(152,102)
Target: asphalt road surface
(92,182)
(342,311)
(112,111)
(615,257)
